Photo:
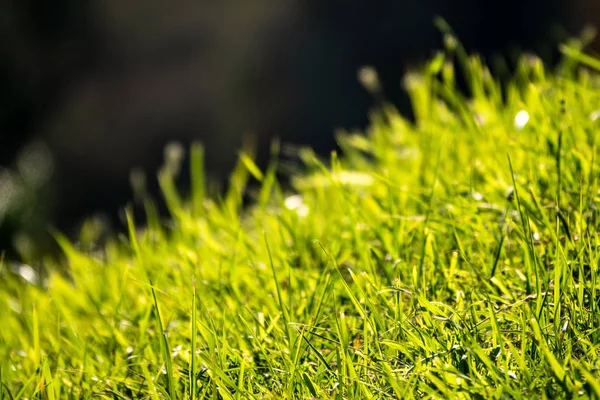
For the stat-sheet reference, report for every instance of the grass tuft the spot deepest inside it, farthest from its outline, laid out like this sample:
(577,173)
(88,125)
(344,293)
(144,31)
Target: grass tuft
(453,256)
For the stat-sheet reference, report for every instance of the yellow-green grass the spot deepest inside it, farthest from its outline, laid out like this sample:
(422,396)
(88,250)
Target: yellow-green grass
(455,256)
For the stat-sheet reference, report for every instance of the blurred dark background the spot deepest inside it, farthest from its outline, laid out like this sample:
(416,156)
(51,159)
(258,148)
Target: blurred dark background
(91,89)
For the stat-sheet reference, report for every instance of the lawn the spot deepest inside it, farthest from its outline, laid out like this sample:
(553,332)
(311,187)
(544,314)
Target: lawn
(455,255)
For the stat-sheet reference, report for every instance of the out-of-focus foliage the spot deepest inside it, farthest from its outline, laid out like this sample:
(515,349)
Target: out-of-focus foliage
(107,84)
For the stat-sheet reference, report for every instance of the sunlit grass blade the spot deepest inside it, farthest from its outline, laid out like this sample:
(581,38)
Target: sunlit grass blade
(193,336)
(165,348)
(197,176)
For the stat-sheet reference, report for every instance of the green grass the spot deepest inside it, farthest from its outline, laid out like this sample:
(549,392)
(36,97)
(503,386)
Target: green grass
(456,256)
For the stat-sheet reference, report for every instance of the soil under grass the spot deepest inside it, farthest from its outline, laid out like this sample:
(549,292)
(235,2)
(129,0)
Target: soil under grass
(455,256)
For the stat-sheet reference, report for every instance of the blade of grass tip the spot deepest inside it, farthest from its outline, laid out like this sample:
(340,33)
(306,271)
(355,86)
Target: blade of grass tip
(310,385)
(164,346)
(496,333)
(353,298)
(290,289)
(224,347)
(342,335)
(454,45)
(420,271)
(512,176)
(193,337)
(36,337)
(497,255)
(524,224)
(279,297)
(558,156)
(150,382)
(577,55)
(132,235)
(48,389)
(161,389)
(238,181)
(221,382)
(392,380)
(326,292)
(84,361)
(197,174)
(240,384)
(252,167)
(168,188)
(152,215)
(315,292)
(296,361)
(318,354)
(268,185)
(564,224)
(557,369)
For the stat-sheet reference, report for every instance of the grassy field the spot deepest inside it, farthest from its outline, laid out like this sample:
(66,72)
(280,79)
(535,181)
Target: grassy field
(456,256)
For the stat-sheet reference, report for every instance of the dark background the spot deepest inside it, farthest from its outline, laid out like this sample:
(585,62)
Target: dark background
(90,89)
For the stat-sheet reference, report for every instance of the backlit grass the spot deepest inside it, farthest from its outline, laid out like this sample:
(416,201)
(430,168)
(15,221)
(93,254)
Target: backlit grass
(455,256)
